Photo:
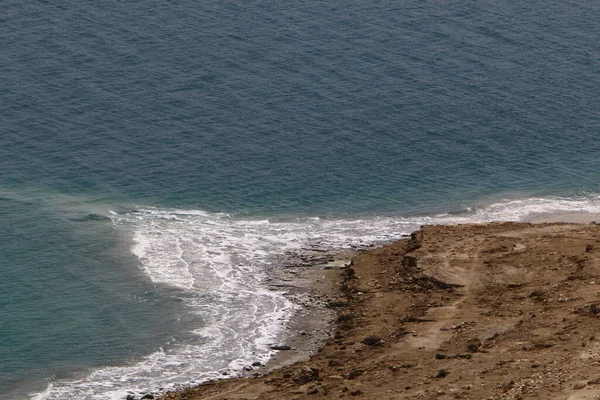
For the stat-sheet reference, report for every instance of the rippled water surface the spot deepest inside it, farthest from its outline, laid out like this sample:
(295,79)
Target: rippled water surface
(157,159)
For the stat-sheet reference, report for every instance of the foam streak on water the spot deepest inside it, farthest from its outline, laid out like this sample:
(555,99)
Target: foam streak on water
(219,267)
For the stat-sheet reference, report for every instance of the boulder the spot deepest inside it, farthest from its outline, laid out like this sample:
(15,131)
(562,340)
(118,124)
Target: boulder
(372,341)
(305,374)
(281,347)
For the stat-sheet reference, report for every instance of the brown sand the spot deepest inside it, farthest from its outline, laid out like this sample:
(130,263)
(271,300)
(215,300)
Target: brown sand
(497,311)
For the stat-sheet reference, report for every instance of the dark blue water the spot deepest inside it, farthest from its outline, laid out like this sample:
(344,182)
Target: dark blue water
(260,110)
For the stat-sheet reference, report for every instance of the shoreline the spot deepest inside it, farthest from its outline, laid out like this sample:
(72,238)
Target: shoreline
(382,313)
(572,217)
(311,284)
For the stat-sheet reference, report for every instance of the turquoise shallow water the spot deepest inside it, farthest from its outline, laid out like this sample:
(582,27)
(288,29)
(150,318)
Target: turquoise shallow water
(153,156)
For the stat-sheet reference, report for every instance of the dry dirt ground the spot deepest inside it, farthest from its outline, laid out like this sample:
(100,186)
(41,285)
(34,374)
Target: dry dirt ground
(497,311)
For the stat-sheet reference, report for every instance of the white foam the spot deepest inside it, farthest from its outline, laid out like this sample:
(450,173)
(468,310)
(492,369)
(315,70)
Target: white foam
(139,246)
(42,395)
(523,209)
(220,265)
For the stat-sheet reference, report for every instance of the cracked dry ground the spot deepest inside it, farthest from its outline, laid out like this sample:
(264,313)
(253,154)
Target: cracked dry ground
(496,311)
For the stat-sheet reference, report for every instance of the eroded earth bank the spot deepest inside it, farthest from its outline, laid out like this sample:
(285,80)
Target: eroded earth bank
(497,311)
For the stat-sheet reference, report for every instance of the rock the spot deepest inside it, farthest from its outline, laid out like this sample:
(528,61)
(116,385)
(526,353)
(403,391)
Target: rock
(409,262)
(579,385)
(337,303)
(507,386)
(410,318)
(473,345)
(594,381)
(312,390)
(395,368)
(439,356)
(129,397)
(441,374)
(537,294)
(147,396)
(248,368)
(305,374)
(344,317)
(372,341)
(354,374)
(588,248)
(281,347)
(257,364)
(356,392)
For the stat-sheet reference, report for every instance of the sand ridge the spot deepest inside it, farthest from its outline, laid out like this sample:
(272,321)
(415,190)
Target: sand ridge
(494,311)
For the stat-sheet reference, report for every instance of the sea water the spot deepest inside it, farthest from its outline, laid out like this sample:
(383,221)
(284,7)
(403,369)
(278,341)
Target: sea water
(159,159)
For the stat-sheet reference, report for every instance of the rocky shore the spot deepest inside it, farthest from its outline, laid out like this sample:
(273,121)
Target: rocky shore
(496,311)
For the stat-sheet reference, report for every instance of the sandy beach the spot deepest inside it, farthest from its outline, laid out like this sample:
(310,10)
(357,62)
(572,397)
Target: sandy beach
(494,311)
